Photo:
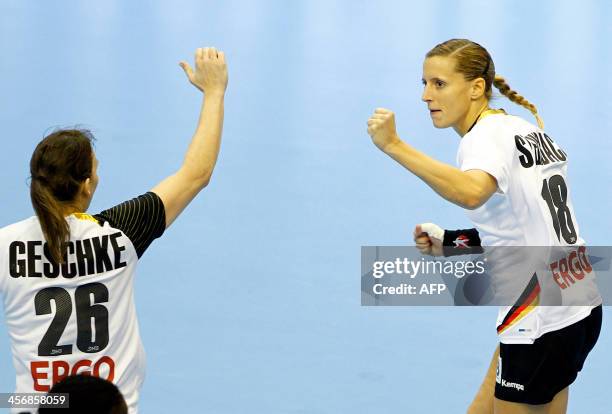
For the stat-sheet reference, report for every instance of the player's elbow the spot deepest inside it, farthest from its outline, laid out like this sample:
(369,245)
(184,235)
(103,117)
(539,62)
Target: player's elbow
(471,203)
(476,189)
(475,199)
(470,197)
(195,179)
(474,193)
(203,180)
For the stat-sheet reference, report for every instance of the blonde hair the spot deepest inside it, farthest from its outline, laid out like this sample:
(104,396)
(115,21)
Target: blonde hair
(473,61)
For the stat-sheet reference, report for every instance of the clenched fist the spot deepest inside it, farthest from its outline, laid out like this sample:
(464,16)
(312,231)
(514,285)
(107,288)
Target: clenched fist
(210,74)
(428,238)
(381,127)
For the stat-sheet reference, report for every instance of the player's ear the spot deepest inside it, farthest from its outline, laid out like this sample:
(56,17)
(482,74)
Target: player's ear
(86,188)
(478,88)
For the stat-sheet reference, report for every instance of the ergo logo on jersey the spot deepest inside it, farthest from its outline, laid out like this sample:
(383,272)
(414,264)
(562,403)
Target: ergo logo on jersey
(576,263)
(58,370)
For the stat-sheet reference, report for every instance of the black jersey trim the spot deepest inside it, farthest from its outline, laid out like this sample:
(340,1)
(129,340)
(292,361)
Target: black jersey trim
(141,219)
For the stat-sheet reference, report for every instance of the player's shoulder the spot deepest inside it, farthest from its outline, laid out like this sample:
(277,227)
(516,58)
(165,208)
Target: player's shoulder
(146,200)
(503,125)
(498,130)
(141,219)
(83,225)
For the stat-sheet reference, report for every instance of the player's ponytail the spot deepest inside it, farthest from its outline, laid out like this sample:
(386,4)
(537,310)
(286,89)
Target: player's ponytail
(49,212)
(474,61)
(59,165)
(504,89)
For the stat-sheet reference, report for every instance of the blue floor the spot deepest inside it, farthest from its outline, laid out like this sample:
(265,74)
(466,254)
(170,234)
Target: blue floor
(250,303)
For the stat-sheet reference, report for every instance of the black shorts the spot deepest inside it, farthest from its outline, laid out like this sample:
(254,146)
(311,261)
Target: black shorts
(535,373)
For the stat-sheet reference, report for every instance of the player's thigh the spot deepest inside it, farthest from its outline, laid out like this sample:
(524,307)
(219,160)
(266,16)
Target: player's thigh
(483,401)
(557,406)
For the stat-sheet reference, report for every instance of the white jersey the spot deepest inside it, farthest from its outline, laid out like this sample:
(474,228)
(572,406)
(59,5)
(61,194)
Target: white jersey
(78,318)
(532,207)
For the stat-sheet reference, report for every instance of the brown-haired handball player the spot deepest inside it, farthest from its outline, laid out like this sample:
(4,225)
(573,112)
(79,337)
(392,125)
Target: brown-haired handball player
(66,277)
(87,394)
(512,182)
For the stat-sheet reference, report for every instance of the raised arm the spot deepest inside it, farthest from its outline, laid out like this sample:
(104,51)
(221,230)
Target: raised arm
(210,77)
(467,189)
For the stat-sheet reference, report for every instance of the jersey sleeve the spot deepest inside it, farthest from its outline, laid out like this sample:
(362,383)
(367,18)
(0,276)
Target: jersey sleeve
(141,219)
(487,150)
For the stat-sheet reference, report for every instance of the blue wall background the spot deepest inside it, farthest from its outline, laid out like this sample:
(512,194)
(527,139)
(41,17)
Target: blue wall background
(251,301)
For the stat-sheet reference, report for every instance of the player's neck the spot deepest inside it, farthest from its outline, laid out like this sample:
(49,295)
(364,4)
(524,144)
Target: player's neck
(78,206)
(471,118)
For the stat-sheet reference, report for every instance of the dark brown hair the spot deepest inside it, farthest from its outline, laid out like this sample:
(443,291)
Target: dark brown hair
(88,394)
(59,165)
(473,61)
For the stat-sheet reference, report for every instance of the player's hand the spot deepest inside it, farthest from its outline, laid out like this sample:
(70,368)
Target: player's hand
(210,74)
(381,127)
(428,238)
